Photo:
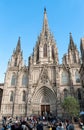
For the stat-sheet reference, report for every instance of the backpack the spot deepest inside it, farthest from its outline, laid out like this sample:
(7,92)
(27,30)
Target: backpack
(59,128)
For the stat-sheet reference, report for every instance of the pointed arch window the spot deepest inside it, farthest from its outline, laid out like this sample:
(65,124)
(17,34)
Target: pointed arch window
(73,58)
(15,64)
(13,80)
(37,53)
(77,77)
(24,96)
(45,50)
(46,35)
(65,78)
(53,56)
(24,80)
(11,96)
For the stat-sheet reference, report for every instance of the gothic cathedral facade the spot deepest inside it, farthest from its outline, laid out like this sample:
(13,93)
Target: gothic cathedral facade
(41,86)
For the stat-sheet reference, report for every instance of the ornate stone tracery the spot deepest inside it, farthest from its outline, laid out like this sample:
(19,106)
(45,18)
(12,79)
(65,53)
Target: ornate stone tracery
(44,78)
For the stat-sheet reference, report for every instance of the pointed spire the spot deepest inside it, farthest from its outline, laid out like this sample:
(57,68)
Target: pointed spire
(45,22)
(71,44)
(18,47)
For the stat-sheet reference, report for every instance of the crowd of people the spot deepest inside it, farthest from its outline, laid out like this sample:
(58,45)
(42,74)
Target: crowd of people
(35,123)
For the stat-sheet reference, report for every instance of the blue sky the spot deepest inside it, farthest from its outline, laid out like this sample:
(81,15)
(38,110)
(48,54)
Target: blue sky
(24,18)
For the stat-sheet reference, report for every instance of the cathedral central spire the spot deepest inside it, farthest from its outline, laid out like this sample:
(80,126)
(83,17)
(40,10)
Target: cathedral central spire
(45,22)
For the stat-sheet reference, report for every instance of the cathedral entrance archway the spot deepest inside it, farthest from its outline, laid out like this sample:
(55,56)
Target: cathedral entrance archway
(44,101)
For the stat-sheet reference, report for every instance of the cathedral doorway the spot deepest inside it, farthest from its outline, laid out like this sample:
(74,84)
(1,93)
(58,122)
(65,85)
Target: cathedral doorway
(44,101)
(45,109)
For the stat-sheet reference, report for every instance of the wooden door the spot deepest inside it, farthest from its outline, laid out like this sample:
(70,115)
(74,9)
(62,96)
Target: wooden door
(45,109)
(42,109)
(48,109)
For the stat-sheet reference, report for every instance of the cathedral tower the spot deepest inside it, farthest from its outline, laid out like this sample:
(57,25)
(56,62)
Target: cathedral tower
(73,55)
(12,92)
(42,72)
(45,51)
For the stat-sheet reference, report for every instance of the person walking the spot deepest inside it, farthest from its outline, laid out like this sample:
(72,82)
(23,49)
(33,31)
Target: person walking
(39,126)
(60,126)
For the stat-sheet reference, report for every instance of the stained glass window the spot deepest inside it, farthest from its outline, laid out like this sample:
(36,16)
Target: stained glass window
(13,80)
(77,77)
(24,80)
(45,50)
(64,78)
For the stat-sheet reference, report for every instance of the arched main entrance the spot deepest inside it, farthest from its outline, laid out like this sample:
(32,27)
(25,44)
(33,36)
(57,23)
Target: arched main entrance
(44,101)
